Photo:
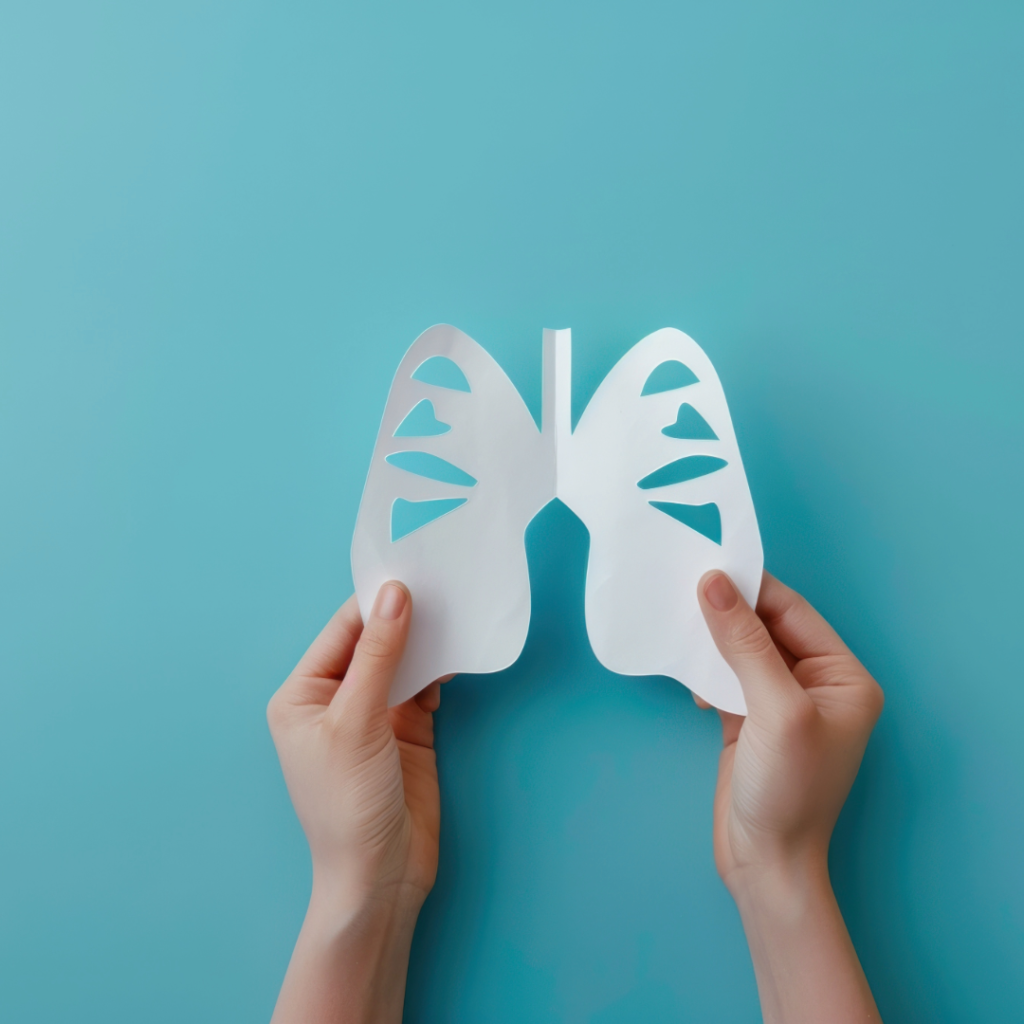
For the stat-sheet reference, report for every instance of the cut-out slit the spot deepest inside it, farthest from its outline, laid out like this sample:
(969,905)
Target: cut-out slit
(705,519)
(442,373)
(681,470)
(668,376)
(407,516)
(432,467)
(421,422)
(690,426)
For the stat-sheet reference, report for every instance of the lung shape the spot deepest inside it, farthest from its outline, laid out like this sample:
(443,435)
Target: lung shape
(653,470)
(662,509)
(446,512)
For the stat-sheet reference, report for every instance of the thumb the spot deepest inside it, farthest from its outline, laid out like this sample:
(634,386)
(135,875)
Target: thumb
(364,691)
(744,642)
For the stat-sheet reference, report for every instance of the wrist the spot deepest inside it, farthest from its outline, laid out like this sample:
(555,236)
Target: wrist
(781,886)
(339,904)
(352,955)
(806,967)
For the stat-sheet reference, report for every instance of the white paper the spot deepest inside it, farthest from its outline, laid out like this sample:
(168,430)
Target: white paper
(467,570)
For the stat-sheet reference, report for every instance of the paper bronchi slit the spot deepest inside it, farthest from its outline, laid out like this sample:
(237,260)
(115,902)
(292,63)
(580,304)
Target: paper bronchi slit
(652,469)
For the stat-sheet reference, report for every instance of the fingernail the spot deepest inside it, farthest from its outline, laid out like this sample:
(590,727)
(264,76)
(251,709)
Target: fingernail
(720,593)
(390,601)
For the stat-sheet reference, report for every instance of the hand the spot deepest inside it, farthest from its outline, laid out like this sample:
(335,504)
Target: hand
(784,773)
(786,769)
(363,780)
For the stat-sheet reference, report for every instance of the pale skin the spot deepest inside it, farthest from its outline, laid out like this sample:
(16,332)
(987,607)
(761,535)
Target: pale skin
(363,780)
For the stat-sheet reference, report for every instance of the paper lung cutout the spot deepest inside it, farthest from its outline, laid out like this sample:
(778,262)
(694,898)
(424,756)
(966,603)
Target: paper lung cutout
(653,471)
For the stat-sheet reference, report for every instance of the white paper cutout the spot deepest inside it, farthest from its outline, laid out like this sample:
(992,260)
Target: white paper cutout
(467,569)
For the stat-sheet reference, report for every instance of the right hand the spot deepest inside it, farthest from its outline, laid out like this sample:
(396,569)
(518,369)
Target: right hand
(786,769)
(362,777)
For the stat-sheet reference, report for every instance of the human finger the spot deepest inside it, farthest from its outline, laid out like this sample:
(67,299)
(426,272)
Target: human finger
(429,699)
(331,652)
(747,647)
(411,722)
(731,725)
(794,623)
(316,677)
(364,691)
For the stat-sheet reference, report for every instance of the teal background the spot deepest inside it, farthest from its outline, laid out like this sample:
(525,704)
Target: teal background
(221,224)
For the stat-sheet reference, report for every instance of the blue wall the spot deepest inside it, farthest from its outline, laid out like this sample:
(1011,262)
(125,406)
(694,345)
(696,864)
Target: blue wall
(222,223)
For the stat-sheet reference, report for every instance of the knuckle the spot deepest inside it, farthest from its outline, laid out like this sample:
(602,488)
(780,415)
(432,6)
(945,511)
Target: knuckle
(874,698)
(799,719)
(336,722)
(799,607)
(275,712)
(864,691)
(376,645)
(775,598)
(750,639)
(350,732)
(803,715)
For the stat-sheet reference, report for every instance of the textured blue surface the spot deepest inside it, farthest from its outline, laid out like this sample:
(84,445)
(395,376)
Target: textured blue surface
(222,224)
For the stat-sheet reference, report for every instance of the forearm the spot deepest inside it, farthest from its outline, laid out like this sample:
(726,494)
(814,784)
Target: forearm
(807,969)
(349,964)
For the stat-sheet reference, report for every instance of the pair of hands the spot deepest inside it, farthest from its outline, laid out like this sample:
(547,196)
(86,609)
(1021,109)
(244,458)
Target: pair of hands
(363,780)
